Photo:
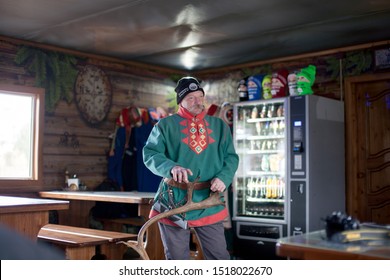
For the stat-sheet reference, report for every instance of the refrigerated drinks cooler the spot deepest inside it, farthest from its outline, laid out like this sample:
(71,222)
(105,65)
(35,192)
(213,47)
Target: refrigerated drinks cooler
(291,171)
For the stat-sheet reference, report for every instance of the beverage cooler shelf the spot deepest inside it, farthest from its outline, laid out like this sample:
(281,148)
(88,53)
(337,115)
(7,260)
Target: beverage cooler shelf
(254,120)
(263,137)
(271,194)
(261,215)
(254,152)
(254,199)
(265,189)
(264,211)
(262,173)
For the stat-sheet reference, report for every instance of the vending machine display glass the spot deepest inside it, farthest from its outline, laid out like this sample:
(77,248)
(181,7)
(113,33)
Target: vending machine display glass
(260,139)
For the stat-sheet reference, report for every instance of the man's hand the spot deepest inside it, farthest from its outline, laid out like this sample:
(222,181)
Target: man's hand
(112,153)
(180,174)
(217,185)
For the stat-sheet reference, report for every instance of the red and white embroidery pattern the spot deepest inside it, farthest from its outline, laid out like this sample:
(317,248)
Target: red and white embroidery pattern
(197,134)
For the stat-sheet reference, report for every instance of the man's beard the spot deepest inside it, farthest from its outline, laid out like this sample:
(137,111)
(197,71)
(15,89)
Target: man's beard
(197,107)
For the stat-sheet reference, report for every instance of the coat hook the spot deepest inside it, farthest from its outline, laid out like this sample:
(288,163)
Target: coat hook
(64,139)
(74,141)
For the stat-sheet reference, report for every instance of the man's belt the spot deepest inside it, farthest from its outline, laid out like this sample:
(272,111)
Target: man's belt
(183,186)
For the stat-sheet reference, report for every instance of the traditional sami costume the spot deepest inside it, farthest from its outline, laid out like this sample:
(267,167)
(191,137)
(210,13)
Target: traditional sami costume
(182,139)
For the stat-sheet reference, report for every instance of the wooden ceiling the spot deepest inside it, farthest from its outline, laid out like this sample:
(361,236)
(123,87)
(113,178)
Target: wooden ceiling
(196,35)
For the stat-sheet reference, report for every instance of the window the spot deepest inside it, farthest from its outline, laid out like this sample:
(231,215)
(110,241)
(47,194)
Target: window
(21,138)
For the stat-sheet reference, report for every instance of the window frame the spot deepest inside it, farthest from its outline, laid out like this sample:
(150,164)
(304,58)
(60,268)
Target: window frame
(36,183)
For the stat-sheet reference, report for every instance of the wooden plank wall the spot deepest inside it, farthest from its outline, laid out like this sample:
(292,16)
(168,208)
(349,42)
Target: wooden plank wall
(85,152)
(143,88)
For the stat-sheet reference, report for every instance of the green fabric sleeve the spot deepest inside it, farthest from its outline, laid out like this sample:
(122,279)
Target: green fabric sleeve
(226,174)
(154,154)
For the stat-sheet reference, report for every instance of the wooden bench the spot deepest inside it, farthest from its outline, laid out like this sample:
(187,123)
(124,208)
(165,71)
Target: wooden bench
(118,223)
(81,243)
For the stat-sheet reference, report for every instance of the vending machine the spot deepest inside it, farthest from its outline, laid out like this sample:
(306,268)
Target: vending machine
(291,172)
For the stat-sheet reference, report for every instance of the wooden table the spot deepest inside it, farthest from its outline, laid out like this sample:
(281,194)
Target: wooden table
(315,246)
(28,215)
(81,203)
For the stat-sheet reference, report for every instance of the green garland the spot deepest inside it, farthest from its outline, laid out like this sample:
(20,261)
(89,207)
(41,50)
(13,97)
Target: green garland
(354,63)
(263,69)
(56,72)
(171,98)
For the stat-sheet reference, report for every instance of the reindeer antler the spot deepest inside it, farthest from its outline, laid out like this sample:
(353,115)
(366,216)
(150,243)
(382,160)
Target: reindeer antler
(212,200)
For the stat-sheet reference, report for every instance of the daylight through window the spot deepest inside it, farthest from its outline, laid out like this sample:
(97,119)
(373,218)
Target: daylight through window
(21,132)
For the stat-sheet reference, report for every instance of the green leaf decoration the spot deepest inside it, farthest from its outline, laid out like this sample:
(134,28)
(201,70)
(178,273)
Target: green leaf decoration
(263,69)
(171,98)
(357,63)
(333,68)
(353,64)
(176,77)
(56,72)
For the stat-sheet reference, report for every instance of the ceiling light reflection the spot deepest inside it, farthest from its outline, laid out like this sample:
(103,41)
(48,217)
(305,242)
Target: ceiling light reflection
(188,59)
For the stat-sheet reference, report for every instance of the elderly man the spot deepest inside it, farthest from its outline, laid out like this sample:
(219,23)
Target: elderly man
(182,147)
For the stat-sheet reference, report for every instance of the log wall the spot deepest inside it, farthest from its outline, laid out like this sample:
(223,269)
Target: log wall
(85,151)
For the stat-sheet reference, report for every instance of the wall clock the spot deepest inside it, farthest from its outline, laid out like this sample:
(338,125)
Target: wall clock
(93,94)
